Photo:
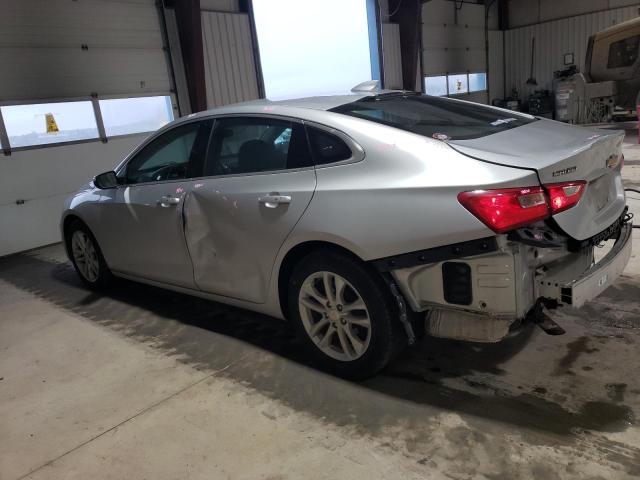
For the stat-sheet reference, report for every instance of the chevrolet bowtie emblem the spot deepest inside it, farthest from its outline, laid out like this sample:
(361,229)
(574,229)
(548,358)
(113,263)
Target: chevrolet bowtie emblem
(612,161)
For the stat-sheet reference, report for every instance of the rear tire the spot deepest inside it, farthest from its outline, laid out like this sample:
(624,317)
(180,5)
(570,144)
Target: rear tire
(353,330)
(86,256)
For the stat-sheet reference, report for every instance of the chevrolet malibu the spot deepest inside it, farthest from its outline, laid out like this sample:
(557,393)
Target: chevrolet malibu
(363,219)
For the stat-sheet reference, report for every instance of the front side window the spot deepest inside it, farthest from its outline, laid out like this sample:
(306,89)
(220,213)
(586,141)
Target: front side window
(623,53)
(252,145)
(174,155)
(433,117)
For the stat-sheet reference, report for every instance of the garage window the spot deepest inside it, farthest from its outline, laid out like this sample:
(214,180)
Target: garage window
(47,123)
(124,116)
(436,86)
(42,124)
(455,84)
(458,84)
(477,82)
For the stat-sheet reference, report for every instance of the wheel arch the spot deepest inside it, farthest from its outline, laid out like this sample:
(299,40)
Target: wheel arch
(67,220)
(300,251)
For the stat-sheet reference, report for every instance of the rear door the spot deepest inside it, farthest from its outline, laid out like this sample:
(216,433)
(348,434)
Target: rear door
(259,181)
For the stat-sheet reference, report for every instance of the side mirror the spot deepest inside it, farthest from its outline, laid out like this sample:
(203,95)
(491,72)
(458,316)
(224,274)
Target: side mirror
(106,180)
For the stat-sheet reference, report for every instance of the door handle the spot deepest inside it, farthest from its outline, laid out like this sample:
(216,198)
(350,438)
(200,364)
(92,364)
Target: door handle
(274,199)
(168,201)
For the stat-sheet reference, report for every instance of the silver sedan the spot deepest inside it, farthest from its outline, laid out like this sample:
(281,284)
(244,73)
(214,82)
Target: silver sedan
(364,220)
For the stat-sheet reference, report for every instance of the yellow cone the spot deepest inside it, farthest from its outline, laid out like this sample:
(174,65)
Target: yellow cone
(52,126)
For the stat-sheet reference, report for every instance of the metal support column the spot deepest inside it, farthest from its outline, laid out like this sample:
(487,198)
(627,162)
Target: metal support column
(98,114)
(407,13)
(189,20)
(4,138)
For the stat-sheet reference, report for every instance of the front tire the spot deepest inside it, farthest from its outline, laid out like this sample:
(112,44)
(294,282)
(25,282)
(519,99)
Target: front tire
(344,314)
(86,256)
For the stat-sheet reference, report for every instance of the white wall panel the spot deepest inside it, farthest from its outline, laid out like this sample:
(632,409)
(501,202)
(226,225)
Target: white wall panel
(230,72)
(453,40)
(451,46)
(44,178)
(553,40)
(51,73)
(391,55)
(59,48)
(56,49)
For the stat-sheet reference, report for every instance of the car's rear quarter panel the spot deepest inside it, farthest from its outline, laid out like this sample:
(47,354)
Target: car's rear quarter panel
(402,197)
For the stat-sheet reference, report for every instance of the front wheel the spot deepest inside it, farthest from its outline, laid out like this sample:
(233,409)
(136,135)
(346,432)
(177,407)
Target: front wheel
(344,314)
(86,256)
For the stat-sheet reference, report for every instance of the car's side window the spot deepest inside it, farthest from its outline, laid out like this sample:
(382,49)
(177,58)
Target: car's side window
(327,148)
(242,145)
(174,155)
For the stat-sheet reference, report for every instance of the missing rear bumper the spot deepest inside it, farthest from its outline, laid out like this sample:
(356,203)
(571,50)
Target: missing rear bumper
(594,280)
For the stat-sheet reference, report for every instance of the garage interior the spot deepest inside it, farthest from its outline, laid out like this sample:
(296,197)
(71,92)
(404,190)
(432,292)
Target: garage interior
(139,382)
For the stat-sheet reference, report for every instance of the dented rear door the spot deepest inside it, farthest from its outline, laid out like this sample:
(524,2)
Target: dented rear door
(236,220)
(232,234)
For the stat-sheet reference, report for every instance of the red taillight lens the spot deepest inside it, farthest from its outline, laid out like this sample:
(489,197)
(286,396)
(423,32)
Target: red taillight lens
(505,209)
(564,195)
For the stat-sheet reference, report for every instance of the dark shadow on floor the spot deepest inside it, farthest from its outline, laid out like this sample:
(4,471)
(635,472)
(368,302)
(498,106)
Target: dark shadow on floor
(262,353)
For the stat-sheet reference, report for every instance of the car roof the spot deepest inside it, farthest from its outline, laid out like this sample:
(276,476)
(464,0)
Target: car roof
(319,103)
(314,103)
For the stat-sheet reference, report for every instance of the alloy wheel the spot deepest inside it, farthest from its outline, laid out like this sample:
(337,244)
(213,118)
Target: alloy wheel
(334,316)
(85,256)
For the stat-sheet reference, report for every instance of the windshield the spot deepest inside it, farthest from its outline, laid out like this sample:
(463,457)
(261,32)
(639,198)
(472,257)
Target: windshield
(435,117)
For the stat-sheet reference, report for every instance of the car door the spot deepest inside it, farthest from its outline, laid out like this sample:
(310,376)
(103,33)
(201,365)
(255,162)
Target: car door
(260,179)
(146,214)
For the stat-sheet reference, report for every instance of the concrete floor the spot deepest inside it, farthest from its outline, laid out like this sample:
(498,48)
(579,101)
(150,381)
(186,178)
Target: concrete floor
(141,383)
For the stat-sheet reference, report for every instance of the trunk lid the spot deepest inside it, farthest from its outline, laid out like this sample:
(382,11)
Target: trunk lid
(561,153)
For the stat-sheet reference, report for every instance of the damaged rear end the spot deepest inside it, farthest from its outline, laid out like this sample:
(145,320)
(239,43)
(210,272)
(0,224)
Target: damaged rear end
(543,251)
(544,231)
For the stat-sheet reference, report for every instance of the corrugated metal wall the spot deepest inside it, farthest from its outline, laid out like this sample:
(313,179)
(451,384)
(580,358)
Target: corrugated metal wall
(220,5)
(230,71)
(553,40)
(56,49)
(530,12)
(392,57)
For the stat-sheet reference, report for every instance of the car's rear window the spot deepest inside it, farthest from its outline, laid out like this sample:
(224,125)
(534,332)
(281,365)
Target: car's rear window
(434,117)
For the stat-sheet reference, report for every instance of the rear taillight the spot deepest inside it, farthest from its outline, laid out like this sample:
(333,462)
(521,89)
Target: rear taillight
(508,208)
(564,195)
